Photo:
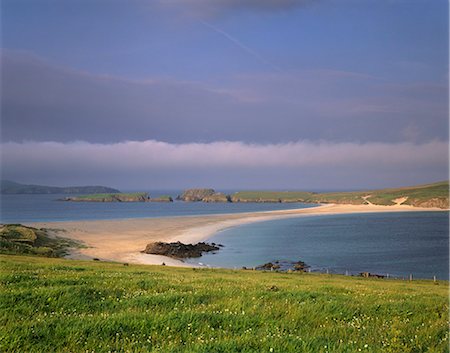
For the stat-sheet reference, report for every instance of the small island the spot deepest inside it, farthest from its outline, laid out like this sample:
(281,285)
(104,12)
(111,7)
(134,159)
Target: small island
(118,197)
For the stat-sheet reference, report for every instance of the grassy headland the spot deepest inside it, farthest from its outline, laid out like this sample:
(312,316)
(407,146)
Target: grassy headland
(56,305)
(19,239)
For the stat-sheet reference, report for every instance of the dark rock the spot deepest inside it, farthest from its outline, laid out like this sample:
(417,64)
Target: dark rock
(268,267)
(179,250)
(300,266)
(283,266)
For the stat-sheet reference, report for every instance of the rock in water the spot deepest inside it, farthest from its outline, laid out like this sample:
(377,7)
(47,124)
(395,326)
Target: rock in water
(179,250)
(268,267)
(282,266)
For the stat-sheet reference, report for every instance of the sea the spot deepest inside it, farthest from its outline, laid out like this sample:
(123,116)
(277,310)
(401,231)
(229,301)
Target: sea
(399,245)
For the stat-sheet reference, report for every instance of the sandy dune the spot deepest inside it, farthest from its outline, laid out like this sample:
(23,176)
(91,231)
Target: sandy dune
(123,240)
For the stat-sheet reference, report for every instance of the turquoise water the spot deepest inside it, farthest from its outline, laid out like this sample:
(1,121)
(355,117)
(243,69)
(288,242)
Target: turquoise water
(46,208)
(398,244)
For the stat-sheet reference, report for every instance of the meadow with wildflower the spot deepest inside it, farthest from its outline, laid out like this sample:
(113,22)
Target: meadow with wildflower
(58,305)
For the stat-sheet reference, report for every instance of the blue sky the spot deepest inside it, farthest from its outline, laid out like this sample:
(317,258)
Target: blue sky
(286,77)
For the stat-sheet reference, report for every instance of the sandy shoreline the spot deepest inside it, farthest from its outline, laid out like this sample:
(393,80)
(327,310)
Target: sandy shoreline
(123,240)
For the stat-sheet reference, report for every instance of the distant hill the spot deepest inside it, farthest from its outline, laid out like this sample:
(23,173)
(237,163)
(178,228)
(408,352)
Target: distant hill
(11,187)
(428,195)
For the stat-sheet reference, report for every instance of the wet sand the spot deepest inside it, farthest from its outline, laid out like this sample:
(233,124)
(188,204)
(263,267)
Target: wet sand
(123,240)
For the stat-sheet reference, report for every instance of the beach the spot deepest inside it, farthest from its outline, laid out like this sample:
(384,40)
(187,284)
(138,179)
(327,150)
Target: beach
(123,240)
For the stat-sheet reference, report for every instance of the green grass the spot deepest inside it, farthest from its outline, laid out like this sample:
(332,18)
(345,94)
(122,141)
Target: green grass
(163,198)
(57,305)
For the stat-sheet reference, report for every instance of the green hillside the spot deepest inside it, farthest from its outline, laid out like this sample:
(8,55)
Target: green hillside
(429,195)
(57,305)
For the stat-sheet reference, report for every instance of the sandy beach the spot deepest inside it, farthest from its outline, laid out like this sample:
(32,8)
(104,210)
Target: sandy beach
(123,240)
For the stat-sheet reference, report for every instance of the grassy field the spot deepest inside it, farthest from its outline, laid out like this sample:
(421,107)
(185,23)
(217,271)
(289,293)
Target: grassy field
(429,195)
(57,305)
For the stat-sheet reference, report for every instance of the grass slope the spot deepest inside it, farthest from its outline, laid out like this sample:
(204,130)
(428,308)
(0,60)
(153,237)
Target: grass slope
(56,305)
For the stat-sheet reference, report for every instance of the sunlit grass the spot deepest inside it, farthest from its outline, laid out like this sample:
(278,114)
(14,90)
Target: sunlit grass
(57,305)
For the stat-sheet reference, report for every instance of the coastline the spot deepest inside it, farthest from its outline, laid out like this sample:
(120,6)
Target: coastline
(123,240)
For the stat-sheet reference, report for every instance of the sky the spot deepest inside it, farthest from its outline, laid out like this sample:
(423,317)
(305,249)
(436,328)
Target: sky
(230,94)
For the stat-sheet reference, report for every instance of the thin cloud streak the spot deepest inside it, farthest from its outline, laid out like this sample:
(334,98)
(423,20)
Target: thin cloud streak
(245,48)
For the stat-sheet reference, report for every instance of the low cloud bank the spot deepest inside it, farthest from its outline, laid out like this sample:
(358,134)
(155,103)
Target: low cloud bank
(191,161)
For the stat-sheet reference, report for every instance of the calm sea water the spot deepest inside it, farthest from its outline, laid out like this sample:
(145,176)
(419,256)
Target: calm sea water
(398,244)
(46,208)
(394,243)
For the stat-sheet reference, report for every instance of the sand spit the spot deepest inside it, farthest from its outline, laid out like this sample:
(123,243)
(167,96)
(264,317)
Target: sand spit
(123,240)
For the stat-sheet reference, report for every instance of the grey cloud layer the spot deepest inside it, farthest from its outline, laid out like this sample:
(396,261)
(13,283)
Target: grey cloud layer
(43,102)
(226,164)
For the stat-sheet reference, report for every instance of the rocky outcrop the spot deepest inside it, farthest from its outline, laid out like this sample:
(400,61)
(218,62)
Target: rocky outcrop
(268,267)
(179,250)
(195,194)
(205,195)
